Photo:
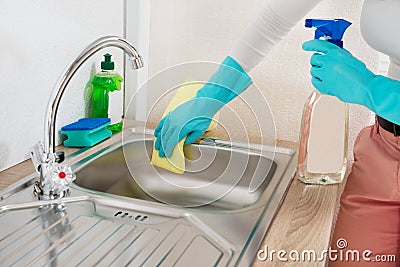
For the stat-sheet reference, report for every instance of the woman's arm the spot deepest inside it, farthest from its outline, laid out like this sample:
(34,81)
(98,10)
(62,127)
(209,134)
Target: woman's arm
(269,27)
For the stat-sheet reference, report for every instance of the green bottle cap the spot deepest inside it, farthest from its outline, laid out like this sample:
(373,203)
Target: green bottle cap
(107,64)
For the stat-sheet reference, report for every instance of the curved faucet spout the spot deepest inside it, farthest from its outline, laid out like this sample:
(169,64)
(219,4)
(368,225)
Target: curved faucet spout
(52,107)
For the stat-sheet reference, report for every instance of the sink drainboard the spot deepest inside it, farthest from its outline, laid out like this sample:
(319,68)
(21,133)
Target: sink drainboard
(83,232)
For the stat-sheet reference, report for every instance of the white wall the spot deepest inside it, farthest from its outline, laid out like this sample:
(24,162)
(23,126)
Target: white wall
(138,33)
(38,39)
(205,30)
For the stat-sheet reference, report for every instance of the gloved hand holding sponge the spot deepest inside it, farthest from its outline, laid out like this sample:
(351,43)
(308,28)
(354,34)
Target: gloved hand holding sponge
(192,118)
(335,71)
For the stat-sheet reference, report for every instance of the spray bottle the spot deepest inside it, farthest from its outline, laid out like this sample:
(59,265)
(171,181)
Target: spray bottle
(324,131)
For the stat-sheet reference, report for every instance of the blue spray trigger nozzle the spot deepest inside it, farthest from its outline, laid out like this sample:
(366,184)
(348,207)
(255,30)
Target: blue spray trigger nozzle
(330,29)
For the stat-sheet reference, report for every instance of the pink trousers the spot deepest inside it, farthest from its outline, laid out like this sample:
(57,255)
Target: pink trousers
(369,216)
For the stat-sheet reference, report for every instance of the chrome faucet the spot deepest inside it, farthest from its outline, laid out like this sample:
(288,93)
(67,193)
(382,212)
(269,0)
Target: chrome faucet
(55,177)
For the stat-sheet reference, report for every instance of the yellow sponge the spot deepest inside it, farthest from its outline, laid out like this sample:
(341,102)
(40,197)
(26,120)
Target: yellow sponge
(176,163)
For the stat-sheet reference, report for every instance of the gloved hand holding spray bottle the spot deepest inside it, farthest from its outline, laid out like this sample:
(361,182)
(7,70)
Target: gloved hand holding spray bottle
(324,131)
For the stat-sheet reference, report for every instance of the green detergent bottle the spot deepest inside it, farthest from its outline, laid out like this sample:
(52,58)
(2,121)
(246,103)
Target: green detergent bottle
(105,82)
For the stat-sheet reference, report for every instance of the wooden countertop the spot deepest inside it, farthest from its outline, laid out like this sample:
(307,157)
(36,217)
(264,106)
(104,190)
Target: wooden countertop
(304,221)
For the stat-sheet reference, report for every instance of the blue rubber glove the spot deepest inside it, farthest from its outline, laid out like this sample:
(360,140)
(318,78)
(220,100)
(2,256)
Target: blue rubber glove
(335,71)
(192,118)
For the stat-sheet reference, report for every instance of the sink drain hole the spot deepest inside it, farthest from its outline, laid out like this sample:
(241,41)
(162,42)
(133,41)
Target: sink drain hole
(136,217)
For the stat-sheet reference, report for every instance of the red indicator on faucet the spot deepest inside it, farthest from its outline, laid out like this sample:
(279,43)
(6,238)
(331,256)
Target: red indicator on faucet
(62,175)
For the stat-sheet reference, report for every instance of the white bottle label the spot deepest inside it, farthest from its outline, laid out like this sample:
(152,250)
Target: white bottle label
(115,102)
(327,136)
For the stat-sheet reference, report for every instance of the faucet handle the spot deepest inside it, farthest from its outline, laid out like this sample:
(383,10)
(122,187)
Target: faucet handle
(57,176)
(37,155)
(57,180)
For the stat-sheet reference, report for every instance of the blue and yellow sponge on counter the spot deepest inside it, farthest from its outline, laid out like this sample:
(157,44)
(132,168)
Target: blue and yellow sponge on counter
(86,132)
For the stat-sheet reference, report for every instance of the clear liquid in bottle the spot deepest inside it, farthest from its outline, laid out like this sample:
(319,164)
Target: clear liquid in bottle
(322,157)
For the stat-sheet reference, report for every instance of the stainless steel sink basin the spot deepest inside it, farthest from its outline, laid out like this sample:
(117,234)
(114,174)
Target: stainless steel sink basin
(216,178)
(132,214)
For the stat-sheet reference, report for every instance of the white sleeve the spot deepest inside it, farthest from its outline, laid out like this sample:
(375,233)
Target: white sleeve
(269,27)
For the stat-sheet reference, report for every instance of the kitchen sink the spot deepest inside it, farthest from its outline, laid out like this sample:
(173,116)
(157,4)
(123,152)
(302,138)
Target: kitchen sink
(123,211)
(216,178)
